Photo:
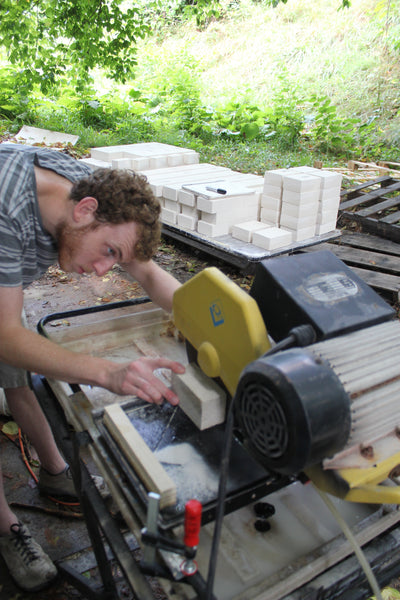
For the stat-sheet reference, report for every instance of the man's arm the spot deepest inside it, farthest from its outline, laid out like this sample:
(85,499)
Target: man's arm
(21,347)
(157,283)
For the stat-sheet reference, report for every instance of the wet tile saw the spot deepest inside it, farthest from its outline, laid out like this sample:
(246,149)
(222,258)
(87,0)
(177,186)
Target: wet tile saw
(311,361)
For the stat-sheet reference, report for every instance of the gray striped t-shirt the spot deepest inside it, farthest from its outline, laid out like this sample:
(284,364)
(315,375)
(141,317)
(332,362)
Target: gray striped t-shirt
(26,249)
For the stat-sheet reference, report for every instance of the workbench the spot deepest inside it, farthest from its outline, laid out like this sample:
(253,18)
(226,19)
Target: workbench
(297,552)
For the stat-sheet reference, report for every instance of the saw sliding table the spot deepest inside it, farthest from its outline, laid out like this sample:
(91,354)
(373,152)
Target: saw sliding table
(298,552)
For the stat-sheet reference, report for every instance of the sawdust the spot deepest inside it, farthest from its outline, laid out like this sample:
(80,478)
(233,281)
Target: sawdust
(193,477)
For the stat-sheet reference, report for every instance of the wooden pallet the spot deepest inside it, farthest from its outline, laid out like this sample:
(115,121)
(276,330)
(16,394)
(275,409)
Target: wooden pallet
(374,206)
(374,259)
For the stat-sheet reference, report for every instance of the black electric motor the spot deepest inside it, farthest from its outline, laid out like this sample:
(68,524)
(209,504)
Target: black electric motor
(292,410)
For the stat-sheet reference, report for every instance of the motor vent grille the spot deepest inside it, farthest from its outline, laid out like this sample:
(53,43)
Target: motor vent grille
(263,420)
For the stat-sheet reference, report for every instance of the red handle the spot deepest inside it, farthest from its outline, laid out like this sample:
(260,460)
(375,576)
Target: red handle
(193,510)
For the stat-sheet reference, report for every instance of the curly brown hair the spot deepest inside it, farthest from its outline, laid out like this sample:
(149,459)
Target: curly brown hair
(123,197)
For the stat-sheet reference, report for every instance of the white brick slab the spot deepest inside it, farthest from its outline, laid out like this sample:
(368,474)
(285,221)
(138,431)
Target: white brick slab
(210,230)
(158,162)
(272,238)
(158,155)
(273,191)
(168,216)
(107,153)
(325,228)
(295,223)
(174,160)
(275,177)
(331,204)
(171,205)
(208,217)
(190,211)
(270,216)
(304,234)
(121,163)
(36,135)
(95,163)
(329,179)
(244,231)
(327,216)
(186,198)
(187,222)
(190,159)
(234,213)
(297,197)
(301,182)
(299,210)
(271,203)
(218,188)
(201,398)
(170,191)
(185,174)
(140,164)
(227,203)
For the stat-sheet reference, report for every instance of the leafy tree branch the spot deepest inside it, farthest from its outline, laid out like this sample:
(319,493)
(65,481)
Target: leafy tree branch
(53,40)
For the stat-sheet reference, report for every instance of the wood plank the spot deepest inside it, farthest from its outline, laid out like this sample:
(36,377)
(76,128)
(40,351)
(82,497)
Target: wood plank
(357,257)
(373,226)
(380,206)
(369,196)
(355,165)
(370,242)
(137,452)
(392,218)
(381,282)
(385,163)
(351,193)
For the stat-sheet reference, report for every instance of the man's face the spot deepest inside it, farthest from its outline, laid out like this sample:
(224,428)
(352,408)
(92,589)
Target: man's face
(89,249)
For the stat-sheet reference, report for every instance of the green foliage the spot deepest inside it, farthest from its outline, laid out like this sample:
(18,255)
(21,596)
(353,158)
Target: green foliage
(14,93)
(275,3)
(237,119)
(173,100)
(286,114)
(54,40)
(329,132)
(175,11)
(203,10)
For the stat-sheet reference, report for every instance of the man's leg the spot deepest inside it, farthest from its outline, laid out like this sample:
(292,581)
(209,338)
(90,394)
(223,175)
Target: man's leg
(7,517)
(26,411)
(28,565)
(55,478)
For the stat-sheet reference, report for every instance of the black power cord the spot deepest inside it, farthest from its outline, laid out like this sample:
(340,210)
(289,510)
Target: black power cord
(303,335)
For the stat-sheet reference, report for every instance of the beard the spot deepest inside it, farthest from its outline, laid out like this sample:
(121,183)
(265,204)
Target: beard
(69,244)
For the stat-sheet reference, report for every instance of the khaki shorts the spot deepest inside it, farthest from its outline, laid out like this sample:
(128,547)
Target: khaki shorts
(11,377)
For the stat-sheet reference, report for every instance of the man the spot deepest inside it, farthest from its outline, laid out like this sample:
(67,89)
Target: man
(53,207)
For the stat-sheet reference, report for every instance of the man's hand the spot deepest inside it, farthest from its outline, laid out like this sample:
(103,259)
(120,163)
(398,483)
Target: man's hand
(137,379)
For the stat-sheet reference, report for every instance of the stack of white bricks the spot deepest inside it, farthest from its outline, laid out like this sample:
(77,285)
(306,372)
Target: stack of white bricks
(329,198)
(140,157)
(188,204)
(285,206)
(296,204)
(195,208)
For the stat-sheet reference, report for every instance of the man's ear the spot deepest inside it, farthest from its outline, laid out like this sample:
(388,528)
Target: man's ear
(84,210)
